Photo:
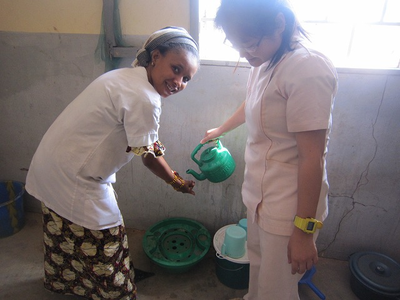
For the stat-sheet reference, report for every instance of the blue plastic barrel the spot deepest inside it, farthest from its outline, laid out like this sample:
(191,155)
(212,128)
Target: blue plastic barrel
(11,207)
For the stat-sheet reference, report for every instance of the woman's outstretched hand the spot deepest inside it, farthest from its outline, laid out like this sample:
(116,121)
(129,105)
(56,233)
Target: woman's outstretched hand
(188,187)
(181,185)
(211,135)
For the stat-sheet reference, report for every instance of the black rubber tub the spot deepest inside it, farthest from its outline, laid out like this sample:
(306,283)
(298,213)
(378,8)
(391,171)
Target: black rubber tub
(374,276)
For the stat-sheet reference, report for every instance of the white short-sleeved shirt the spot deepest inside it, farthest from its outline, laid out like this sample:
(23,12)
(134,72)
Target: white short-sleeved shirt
(296,95)
(74,166)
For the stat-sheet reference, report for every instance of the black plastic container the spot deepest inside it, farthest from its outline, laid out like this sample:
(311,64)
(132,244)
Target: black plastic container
(374,276)
(233,275)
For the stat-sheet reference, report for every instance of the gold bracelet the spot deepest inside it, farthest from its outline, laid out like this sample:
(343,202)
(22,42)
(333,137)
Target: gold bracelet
(175,177)
(181,186)
(173,181)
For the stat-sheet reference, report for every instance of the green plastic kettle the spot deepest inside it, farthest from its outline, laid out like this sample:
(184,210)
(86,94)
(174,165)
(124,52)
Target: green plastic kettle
(216,163)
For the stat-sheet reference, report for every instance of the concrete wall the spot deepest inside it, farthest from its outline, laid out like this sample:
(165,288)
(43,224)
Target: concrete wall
(41,72)
(364,167)
(139,17)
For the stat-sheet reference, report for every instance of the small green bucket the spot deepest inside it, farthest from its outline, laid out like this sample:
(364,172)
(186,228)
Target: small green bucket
(11,207)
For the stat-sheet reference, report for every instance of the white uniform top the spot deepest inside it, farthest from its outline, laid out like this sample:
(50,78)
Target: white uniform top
(296,95)
(74,166)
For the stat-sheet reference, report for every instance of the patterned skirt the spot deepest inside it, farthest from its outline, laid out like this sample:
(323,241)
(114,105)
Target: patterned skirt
(94,264)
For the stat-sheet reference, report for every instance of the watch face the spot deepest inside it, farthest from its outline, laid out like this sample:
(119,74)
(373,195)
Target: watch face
(310,226)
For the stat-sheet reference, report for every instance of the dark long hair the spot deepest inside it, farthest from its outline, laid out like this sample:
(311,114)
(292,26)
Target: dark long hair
(258,18)
(167,46)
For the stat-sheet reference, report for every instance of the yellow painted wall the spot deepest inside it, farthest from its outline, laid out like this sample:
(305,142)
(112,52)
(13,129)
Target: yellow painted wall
(138,17)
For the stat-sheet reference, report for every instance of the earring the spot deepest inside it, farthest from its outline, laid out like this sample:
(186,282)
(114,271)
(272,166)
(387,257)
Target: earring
(152,64)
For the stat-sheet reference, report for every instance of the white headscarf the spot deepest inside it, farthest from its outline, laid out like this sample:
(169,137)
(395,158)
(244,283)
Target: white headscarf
(177,34)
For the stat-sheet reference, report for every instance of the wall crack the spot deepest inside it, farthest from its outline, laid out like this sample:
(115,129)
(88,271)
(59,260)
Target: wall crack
(363,179)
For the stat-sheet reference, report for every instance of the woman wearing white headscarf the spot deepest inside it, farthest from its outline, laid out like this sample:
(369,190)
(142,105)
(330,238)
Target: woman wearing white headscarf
(115,118)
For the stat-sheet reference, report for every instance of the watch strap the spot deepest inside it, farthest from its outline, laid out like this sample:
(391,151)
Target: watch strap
(308,225)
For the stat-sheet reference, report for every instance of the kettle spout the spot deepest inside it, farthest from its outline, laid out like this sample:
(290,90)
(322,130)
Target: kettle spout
(196,175)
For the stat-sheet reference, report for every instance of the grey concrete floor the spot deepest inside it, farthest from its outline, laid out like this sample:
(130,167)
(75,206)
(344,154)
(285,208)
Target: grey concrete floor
(21,273)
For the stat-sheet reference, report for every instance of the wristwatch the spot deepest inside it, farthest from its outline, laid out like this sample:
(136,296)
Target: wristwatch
(308,225)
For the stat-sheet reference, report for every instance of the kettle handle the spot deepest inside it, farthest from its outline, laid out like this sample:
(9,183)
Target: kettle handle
(219,144)
(197,150)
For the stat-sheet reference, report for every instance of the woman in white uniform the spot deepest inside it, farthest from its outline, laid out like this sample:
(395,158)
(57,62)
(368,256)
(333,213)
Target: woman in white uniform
(287,111)
(113,119)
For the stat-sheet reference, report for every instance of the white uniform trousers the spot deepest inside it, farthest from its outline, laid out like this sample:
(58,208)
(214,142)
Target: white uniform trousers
(270,272)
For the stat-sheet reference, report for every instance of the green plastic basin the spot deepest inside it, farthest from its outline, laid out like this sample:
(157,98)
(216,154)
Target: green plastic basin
(176,244)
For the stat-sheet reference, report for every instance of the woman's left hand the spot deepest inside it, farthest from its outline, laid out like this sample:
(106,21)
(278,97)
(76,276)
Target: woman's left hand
(302,252)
